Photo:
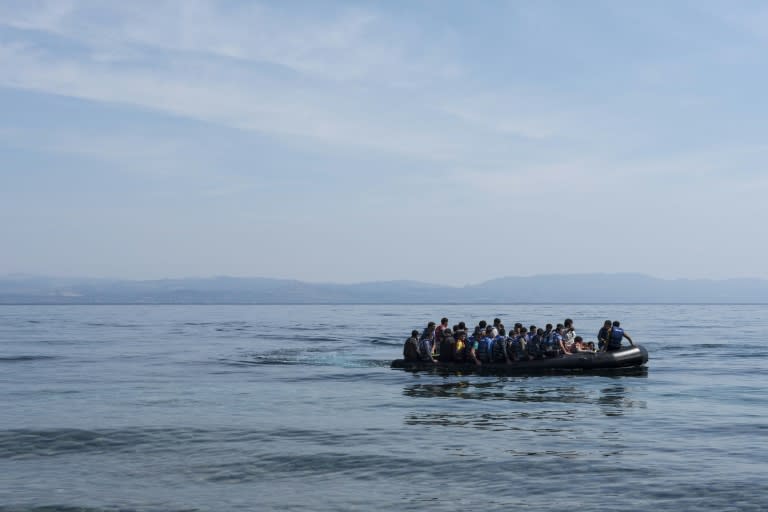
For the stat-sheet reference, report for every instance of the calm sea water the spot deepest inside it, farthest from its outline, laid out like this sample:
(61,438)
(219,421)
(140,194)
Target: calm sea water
(217,408)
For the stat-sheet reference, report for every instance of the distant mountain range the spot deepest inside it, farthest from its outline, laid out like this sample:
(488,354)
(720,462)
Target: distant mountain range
(565,288)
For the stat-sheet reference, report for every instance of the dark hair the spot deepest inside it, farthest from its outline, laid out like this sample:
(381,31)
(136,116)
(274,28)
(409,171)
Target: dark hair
(616,323)
(549,326)
(483,323)
(496,321)
(502,331)
(568,321)
(578,338)
(462,325)
(443,320)
(431,324)
(532,328)
(414,332)
(607,322)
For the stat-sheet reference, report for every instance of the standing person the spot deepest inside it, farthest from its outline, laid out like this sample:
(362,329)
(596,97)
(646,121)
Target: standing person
(439,329)
(603,334)
(569,333)
(617,334)
(411,347)
(496,325)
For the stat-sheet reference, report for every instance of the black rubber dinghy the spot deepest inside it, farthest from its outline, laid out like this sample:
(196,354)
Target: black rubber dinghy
(635,356)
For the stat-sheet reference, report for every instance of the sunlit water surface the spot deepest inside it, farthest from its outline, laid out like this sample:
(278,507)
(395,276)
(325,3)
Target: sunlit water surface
(152,408)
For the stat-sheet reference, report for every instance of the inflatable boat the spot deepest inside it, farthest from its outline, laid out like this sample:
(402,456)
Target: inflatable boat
(629,357)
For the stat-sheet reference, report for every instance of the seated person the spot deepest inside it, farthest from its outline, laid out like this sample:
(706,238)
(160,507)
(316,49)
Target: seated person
(615,338)
(447,346)
(580,346)
(426,347)
(411,347)
(460,346)
(603,334)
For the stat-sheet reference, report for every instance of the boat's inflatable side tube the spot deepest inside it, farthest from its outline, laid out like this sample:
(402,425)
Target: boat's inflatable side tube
(631,356)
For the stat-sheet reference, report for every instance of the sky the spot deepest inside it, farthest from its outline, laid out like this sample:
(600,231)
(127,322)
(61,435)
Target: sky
(449,142)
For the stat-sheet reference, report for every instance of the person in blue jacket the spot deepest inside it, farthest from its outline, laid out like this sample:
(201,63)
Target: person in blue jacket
(614,339)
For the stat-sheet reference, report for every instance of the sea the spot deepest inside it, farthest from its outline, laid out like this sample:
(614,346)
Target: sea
(253,407)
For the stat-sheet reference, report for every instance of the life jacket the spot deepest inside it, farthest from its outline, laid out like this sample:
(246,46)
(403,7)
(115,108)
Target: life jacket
(499,343)
(471,342)
(458,354)
(484,349)
(411,349)
(519,346)
(617,334)
(532,344)
(425,349)
(547,340)
(447,347)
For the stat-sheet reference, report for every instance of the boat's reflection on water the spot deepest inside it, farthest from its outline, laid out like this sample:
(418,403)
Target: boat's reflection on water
(615,400)
(528,400)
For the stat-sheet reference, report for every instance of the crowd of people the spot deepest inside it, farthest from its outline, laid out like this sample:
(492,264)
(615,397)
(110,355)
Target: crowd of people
(494,344)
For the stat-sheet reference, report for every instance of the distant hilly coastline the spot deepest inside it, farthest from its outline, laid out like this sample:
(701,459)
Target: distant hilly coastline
(563,288)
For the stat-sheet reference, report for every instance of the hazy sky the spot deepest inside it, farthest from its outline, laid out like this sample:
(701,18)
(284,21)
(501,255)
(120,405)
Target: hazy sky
(449,142)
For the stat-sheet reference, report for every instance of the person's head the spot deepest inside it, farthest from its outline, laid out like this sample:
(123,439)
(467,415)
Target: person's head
(496,322)
(578,339)
(559,327)
(463,326)
(568,323)
(549,327)
(414,332)
(463,335)
(539,331)
(502,331)
(518,325)
(532,328)
(607,323)
(483,324)
(616,323)
(489,330)
(447,332)
(444,322)
(430,324)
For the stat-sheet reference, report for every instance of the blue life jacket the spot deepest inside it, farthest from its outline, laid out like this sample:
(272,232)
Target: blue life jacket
(617,334)
(519,346)
(556,339)
(484,349)
(499,343)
